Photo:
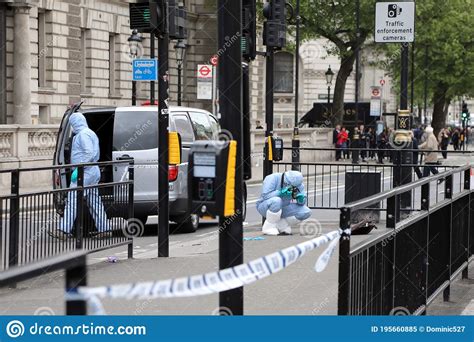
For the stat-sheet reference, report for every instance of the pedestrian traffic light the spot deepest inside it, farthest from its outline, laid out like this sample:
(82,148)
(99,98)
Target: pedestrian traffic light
(249,29)
(274,28)
(148,16)
(465,115)
(177,20)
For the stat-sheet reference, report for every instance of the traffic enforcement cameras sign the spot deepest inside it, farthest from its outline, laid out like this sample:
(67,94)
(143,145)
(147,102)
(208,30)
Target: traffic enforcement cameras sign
(394,22)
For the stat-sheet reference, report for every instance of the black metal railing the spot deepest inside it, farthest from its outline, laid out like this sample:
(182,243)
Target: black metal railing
(326,187)
(417,256)
(27,217)
(75,267)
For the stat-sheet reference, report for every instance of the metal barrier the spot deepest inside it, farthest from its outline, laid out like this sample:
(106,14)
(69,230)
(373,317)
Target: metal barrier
(27,217)
(416,258)
(73,263)
(325,182)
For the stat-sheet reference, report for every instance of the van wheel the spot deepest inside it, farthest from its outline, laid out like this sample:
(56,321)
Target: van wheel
(186,223)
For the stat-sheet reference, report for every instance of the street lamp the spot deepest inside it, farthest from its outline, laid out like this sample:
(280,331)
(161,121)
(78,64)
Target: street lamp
(180,50)
(134,42)
(329,76)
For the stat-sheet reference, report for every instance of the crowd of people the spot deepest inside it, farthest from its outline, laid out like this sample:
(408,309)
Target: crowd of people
(378,147)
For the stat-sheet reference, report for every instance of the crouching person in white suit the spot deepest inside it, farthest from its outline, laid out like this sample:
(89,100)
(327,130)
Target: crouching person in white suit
(283,202)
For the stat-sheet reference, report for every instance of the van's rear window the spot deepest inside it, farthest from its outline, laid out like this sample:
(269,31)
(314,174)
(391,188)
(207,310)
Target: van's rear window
(135,131)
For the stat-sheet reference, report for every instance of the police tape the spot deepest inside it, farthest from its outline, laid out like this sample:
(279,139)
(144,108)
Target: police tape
(213,282)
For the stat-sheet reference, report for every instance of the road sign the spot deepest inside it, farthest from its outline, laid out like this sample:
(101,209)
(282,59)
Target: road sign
(145,69)
(382,82)
(375,101)
(214,60)
(394,22)
(204,81)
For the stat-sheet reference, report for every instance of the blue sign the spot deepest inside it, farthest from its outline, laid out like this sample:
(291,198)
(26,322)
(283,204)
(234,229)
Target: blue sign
(145,69)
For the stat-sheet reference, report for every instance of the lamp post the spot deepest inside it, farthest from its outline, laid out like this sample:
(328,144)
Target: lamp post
(295,143)
(329,76)
(180,50)
(134,49)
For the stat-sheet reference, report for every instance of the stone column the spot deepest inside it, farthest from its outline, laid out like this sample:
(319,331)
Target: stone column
(22,66)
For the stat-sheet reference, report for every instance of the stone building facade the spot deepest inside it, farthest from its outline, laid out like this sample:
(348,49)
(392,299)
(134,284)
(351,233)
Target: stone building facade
(56,52)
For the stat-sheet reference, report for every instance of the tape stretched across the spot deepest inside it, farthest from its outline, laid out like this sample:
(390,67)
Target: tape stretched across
(214,282)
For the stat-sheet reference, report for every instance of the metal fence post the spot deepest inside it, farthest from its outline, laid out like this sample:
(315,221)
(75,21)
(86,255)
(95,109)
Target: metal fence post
(13,247)
(344,293)
(393,211)
(131,212)
(448,194)
(425,197)
(448,187)
(80,208)
(467,186)
(76,277)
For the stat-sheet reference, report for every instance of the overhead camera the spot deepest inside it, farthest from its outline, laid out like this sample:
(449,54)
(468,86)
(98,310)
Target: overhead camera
(393,10)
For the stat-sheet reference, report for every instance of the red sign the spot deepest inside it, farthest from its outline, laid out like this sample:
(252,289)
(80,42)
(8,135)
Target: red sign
(382,82)
(214,60)
(204,71)
(375,92)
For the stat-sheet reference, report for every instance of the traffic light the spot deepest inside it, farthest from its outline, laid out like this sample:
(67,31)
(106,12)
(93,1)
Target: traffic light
(148,16)
(274,29)
(177,21)
(465,115)
(249,29)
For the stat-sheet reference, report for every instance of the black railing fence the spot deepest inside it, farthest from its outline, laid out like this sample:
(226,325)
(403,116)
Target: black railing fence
(27,217)
(326,187)
(75,267)
(403,269)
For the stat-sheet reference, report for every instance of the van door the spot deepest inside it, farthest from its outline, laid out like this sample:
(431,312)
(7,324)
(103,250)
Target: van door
(136,136)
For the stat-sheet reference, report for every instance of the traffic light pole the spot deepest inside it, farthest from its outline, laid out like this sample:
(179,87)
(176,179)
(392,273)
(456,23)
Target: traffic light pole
(295,142)
(163,115)
(230,104)
(268,164)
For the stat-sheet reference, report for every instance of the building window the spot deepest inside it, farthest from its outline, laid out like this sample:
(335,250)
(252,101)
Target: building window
(283,73)
(85,67)
(114,65)
(3,65)
(41,49)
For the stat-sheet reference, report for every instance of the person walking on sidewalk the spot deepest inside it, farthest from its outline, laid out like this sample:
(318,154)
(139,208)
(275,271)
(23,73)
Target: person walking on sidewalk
(443,138)
(85,149)
(430,146)
(342,139)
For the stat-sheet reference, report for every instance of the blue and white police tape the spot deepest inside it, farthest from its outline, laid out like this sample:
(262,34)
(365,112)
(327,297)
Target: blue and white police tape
(213,282)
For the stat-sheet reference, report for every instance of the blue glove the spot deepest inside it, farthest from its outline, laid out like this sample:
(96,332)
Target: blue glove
(74,176)
(285,192)
(301,198)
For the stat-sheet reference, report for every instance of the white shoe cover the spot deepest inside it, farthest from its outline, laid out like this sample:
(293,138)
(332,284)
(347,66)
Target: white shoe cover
(270,225)
(283,227)
(292,220)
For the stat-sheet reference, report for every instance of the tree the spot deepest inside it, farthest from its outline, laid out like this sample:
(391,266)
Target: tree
(335,20)
(445,34)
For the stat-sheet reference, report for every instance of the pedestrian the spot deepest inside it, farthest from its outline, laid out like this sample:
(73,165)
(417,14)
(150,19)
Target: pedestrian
(85,149)
(415,136)
(282,202)
(462,138)
(455,139)
(363,142)
(443,139)
(372,143)
(335,134)
(258,124)
(342,139)
(381,145)
(430,148)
